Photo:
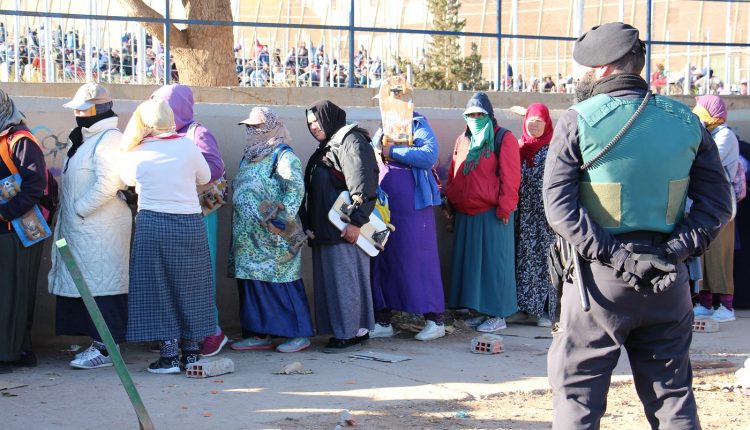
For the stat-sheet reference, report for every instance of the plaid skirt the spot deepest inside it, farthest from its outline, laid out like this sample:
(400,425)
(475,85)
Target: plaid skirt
(171,286)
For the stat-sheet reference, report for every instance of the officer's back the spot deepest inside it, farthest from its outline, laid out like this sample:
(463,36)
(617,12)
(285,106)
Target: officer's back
(621,165)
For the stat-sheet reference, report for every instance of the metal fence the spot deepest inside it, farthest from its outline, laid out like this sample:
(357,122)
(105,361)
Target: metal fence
(79,48)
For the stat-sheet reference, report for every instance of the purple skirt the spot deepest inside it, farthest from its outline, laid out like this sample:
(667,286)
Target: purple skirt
(406,275)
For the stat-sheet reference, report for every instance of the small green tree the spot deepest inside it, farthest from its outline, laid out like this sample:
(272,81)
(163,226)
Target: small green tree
(473,70)
(444,67)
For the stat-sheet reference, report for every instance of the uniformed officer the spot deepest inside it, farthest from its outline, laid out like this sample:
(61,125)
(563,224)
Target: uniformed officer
(620,166)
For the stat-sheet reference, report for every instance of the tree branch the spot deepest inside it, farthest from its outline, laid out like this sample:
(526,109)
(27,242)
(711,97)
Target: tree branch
(138,8)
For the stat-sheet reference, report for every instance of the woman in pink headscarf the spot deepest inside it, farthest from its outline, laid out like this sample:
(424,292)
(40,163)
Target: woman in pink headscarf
(536,296)
(718,261)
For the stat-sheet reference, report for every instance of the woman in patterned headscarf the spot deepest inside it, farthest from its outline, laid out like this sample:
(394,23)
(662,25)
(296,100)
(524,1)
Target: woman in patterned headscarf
(718,261)
(263,258)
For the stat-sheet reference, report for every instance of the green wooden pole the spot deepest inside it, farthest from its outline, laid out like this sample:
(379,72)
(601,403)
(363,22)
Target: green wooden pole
(101,326)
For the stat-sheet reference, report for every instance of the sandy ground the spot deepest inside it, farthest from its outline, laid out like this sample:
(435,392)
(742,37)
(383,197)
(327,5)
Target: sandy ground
(442,386)
(719,408)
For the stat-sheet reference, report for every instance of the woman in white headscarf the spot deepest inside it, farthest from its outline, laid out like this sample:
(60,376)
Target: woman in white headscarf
(171,294)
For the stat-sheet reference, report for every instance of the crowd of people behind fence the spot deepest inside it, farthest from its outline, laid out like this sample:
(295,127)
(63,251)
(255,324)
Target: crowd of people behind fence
(70,55)
(307,64)
(304,67)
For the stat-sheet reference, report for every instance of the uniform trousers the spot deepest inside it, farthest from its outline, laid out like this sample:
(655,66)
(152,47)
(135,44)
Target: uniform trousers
(654,329)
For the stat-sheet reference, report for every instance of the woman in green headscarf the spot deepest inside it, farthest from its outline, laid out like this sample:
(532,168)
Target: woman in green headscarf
(482,187)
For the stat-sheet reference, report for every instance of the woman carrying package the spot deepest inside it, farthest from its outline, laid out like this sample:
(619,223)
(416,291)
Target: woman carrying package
(265,258)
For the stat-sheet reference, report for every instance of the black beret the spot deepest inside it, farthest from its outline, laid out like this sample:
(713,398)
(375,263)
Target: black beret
(607,43)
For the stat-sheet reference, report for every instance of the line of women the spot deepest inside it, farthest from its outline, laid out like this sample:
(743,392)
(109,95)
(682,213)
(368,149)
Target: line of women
(163,289)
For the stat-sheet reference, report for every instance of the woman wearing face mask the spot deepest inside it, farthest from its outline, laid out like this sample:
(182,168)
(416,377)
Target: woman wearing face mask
(267,268)
(483,186)
(533,236)
(343,161)
(96,224)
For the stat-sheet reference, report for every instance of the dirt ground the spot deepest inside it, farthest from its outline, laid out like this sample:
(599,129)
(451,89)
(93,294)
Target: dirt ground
(718,407)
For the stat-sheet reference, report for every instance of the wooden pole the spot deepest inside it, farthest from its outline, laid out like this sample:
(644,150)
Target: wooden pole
(101,326)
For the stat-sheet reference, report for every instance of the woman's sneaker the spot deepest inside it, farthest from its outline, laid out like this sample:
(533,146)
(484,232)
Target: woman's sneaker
(544,321)
(165,365)
(492,325)
(382,331)
(252,344)
(723,314)
(701,311)
(91,358)
(345,345)
(212,344)
(475,321)
(431,330)
(188,359)
(294,345)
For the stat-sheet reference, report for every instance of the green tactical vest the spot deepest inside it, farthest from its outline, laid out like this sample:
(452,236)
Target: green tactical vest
(641,184)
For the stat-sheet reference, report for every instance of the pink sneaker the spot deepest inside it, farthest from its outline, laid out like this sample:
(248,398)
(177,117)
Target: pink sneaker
(212,344)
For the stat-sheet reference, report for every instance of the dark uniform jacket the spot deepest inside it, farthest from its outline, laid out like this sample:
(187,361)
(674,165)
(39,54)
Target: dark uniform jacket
(708,189)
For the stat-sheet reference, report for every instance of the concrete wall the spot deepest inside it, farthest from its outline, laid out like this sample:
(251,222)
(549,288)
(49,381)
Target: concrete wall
(221,108)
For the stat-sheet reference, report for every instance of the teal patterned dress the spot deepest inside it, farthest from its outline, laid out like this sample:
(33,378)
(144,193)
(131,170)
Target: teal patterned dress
(271,292)
(257,253)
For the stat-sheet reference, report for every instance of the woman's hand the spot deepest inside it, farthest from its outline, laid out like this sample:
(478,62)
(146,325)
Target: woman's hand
(272,228)
(518,110)
(449,212)
(350,233)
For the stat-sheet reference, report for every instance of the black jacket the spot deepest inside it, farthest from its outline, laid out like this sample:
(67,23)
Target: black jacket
(350,165)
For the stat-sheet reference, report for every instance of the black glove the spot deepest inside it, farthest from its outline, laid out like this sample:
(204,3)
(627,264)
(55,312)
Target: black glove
(640,265)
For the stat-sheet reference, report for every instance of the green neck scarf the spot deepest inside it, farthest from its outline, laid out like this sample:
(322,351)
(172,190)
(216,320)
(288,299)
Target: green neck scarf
(482,139)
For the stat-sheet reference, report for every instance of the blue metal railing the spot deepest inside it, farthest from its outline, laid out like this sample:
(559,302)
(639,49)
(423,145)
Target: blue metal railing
(351,29)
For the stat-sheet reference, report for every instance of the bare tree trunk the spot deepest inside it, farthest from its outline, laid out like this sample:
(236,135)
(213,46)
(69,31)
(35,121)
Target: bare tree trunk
(203,54)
